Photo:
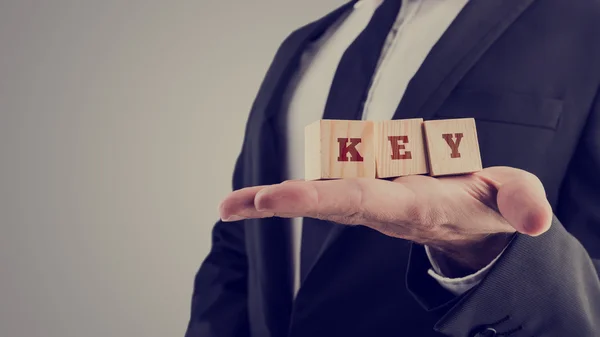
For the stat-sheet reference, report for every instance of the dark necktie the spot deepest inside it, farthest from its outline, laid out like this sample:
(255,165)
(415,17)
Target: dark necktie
(345,101)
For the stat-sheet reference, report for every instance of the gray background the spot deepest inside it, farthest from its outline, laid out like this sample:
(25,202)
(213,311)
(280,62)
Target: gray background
(119,125)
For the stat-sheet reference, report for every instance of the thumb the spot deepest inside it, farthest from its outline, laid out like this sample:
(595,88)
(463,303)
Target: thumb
(521,199)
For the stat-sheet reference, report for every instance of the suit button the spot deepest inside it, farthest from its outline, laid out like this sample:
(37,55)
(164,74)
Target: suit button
(486,332)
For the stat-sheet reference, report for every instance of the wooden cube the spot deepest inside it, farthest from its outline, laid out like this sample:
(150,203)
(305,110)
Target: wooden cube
(452,146)
(400,148)
(339,149)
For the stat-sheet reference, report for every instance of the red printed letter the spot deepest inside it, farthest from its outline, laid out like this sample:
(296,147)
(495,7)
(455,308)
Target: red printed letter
(453,144)
(396,147)
(346,148)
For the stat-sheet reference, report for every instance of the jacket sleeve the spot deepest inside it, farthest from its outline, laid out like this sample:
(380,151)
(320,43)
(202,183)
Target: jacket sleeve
(547,285)
(219,300)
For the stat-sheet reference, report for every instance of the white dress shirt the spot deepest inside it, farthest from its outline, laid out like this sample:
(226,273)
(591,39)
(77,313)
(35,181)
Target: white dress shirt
(418,27)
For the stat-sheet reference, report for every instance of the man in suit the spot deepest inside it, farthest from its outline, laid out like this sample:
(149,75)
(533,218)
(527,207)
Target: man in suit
(513,250)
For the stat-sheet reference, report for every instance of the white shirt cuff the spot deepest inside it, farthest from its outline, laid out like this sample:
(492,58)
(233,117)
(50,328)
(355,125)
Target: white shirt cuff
(460,285)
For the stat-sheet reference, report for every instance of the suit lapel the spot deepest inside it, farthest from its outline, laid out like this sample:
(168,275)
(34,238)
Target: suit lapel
(474,30)
(268,239)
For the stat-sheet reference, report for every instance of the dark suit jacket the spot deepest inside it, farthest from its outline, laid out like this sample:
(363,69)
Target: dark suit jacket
(528,71)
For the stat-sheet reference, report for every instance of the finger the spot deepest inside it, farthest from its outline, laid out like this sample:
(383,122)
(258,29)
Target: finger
(349,201)
(239,205)
(310,198)
(521,199)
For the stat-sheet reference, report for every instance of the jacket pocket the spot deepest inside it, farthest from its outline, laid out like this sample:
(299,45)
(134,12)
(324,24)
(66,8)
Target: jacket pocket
(513,130)
(512,108)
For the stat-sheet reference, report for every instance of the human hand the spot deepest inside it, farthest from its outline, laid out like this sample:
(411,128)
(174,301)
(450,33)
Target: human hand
(467,218)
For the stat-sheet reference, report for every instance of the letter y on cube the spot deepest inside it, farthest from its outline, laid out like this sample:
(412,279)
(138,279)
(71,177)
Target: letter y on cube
(453,147)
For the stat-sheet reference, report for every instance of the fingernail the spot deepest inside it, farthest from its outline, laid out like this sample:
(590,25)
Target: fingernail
(233,218)
(292,181)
